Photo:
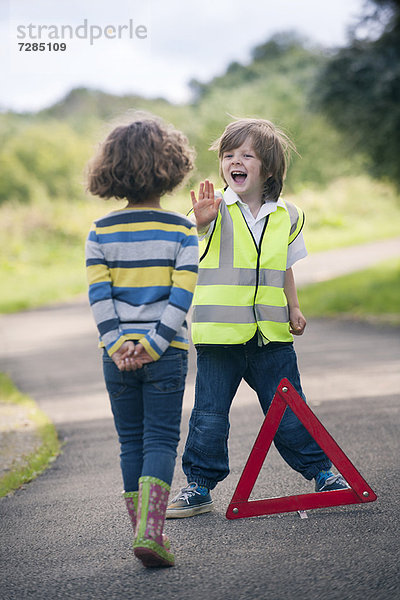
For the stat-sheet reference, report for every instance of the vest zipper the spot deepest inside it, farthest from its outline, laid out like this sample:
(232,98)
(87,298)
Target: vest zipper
(258,269)
(258,262)
(258,248)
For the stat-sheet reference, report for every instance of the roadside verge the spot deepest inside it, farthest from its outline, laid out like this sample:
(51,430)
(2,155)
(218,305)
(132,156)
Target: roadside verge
(28,439)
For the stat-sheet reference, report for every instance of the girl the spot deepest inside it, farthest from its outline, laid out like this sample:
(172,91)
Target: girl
(142,269)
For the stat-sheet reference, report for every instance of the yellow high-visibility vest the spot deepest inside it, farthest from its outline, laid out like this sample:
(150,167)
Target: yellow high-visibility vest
(240,286)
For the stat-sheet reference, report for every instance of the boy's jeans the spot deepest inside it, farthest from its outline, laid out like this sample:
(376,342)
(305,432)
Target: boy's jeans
(147,407)
(219,372)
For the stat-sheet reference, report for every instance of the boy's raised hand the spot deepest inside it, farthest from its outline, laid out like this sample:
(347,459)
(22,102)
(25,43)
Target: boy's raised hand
(206,206)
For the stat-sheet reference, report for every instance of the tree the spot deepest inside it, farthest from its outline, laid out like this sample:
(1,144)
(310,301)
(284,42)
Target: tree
(42,159)
(359,88)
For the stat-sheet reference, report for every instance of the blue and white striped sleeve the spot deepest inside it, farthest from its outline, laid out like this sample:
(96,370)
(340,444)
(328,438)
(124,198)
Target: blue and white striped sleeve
(100,295)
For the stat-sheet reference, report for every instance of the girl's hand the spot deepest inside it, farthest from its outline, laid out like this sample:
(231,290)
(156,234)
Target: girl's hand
(123,355)
(141,357)
(131,356)
(206,207)
(297,321)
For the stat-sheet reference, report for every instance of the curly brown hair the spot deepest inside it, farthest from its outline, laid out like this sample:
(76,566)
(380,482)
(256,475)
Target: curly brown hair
(140,161)
(271,145)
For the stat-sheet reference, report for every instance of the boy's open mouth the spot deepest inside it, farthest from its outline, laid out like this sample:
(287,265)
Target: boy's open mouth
(238,176)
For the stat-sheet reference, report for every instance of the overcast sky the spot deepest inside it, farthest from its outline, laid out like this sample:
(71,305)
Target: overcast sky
(177,40)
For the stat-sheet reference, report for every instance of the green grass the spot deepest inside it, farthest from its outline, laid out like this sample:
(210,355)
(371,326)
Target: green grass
(42,258)
(43,248)
(28,467)
(349,212)
(371,295)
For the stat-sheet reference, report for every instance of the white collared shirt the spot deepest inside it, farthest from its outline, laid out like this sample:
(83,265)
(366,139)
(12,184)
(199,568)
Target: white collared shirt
(296,250)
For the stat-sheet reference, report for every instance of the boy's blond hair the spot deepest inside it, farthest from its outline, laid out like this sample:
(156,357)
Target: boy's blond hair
(271,145)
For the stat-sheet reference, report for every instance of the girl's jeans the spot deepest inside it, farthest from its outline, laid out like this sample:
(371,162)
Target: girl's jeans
(219,372)
(147,407)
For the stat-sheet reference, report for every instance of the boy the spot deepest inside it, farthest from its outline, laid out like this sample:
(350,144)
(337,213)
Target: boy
(246,310)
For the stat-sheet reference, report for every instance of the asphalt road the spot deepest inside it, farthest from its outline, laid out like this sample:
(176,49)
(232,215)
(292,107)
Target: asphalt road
(66,535)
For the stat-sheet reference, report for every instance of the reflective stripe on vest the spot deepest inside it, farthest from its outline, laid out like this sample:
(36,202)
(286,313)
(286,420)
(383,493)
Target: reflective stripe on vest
(240,287)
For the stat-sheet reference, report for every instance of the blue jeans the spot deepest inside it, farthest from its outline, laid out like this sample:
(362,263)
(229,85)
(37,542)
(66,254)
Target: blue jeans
(219,372)
(147,408)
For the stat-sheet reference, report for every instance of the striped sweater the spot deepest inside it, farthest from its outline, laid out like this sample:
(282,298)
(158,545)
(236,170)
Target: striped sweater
(142,270)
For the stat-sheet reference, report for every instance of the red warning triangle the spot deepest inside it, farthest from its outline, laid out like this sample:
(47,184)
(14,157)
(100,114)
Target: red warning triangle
(240,506)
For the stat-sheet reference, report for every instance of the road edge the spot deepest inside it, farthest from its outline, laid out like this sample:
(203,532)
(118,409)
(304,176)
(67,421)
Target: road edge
(44,445)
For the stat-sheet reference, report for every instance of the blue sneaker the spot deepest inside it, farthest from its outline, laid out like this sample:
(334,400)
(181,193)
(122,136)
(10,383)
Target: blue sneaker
(326,481)
(189,502)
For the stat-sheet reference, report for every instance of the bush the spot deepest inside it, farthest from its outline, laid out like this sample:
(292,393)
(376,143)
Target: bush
(43,158)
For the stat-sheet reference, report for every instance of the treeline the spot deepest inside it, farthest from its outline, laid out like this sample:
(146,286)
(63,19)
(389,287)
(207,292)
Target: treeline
(359,89)
(341,110)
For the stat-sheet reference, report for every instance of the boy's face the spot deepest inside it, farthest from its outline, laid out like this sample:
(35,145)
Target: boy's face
(241,169)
